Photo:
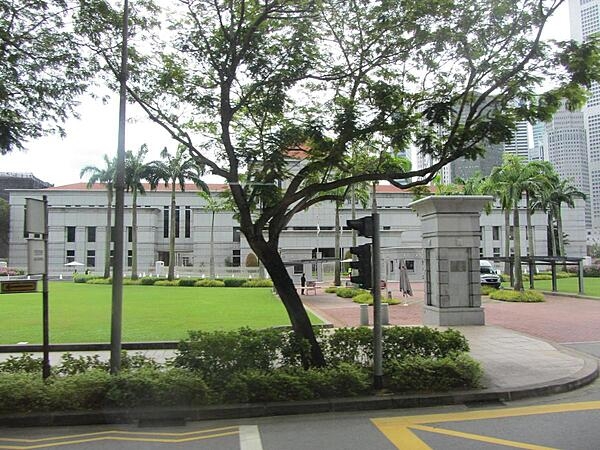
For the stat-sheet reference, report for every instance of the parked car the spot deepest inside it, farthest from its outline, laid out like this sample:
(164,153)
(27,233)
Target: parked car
(489,275)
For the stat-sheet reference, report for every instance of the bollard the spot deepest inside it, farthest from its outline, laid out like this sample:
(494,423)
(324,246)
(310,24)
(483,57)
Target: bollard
(385,314)
(364,314)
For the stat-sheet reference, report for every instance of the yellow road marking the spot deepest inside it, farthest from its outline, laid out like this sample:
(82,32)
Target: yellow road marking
(477,437)
(398,429)
(121,438)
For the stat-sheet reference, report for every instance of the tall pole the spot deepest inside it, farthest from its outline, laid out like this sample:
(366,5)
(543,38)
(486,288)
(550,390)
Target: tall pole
(117,283)
(376,287)
(45,306)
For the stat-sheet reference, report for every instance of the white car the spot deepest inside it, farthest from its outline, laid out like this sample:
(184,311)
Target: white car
(489,274)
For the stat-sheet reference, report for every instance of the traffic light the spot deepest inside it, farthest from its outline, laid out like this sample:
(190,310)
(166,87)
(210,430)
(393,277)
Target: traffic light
(364,226)
(363,265)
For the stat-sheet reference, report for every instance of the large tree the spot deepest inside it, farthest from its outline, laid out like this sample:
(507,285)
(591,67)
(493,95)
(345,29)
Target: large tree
(106,176)
(174,170)
(241,82)
(42,70)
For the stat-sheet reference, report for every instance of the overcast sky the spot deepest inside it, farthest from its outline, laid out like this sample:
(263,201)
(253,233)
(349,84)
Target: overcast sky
(59,161)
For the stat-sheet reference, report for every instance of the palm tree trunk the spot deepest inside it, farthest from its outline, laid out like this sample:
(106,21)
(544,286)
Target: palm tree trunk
(551,233)
(290,299)
(507,240)
(171,274)
(134,237)
(561,239)
(212,246)
(108,235)
(337,278)
(517,237)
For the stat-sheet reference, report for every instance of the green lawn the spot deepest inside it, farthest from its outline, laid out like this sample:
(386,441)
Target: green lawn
(591,285)
(81,312)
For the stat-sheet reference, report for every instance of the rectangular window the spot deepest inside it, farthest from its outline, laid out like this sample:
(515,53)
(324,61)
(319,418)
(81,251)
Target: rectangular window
(70,234)
(166,222)
(410,265)
(91,258)
(129,234)
(112,234)
(70,256)
(129,258)
(496,251)
(496,233)
(188,221)
(91,234)
(177,221)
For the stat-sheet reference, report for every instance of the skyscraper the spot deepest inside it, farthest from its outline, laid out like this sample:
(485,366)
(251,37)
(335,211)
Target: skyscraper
(585,20)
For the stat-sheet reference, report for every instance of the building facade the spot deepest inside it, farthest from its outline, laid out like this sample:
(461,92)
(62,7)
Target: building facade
(77,232)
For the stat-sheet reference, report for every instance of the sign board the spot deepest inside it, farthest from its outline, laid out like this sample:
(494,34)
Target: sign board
(17,286)
(35,216)
(36,257)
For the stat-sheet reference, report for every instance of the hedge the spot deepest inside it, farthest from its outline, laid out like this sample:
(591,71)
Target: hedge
(509,295)
(367,299)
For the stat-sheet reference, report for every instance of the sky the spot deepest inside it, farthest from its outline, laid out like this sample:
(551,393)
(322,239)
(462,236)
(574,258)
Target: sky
(59,161)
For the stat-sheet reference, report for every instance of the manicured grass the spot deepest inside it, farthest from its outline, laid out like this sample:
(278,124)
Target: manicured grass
(591,285)
(81,312)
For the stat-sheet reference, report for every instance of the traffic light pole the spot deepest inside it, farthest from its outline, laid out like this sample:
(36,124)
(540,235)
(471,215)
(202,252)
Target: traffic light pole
(376,289)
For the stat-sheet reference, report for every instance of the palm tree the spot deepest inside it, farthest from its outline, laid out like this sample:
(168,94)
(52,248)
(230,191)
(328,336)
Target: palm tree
(214,206)
(508,182)
(563,192)
(174,170)
(135,171)
(104,175)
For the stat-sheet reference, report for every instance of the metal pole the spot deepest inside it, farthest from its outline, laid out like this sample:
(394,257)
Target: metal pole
(376,286)
(553,267)
(580,276)
(45,306)
(117,282)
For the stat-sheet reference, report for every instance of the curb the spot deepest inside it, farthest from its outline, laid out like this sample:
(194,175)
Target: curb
(178,416)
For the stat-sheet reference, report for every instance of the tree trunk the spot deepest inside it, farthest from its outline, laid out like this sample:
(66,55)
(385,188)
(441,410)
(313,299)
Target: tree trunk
(211,261)
(171,274)
(108,235)
(290,299)
(134,237)
(517,242)
(559,232)
(337,271)
(507,240)
(530,235)
(551,234)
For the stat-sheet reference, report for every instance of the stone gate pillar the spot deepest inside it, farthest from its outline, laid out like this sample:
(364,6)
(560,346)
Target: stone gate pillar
(451,239)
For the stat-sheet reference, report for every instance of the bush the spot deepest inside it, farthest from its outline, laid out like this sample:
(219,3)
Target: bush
(591,271)
(130,282)
(148,281)
(486,290)
(367,299)
(509,295)
(187,282)
(99,281)
(71,365)
(24,363)
(258,283)
(346,292)
(85,390)
(209,283)
(234,282)
(22,392)
(166,283)
(416,373)
(83,278)
(331,289)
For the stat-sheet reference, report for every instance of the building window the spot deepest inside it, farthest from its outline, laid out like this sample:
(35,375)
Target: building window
(410,265)
(91,234)
(70,234)
(177,221)
(91,258)
(188,221)
(166,222)
(496,233)
(496,252)
(129,258)
(129,234)
(70,256)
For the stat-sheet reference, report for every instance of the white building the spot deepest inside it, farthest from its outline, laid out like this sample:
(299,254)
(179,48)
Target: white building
(77,220)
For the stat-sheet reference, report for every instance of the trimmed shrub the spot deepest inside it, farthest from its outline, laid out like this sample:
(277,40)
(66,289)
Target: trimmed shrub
(83,278)
(99,281)
(85,390)
(367,299)
(486,290)
(130,282)
(148,281)
(347,292)
(166,283)
(416,373)
(24,363)
(331,289)
(207,282)
(509,295)
(234,282)
(187,282)
(22,392)
(258,283)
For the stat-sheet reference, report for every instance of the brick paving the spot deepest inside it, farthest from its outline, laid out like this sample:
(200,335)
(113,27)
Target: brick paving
(559,319)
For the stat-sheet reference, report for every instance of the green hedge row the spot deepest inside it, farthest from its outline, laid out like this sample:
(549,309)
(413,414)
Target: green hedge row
(509,295)
(185,282)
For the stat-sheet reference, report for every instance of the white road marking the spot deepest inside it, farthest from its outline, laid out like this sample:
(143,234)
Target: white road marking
(250,438)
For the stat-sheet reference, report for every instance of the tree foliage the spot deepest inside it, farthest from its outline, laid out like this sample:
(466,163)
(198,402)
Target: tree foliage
(42,70)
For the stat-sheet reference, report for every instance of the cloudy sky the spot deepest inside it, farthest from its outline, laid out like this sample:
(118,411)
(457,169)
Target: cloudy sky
(59,161)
